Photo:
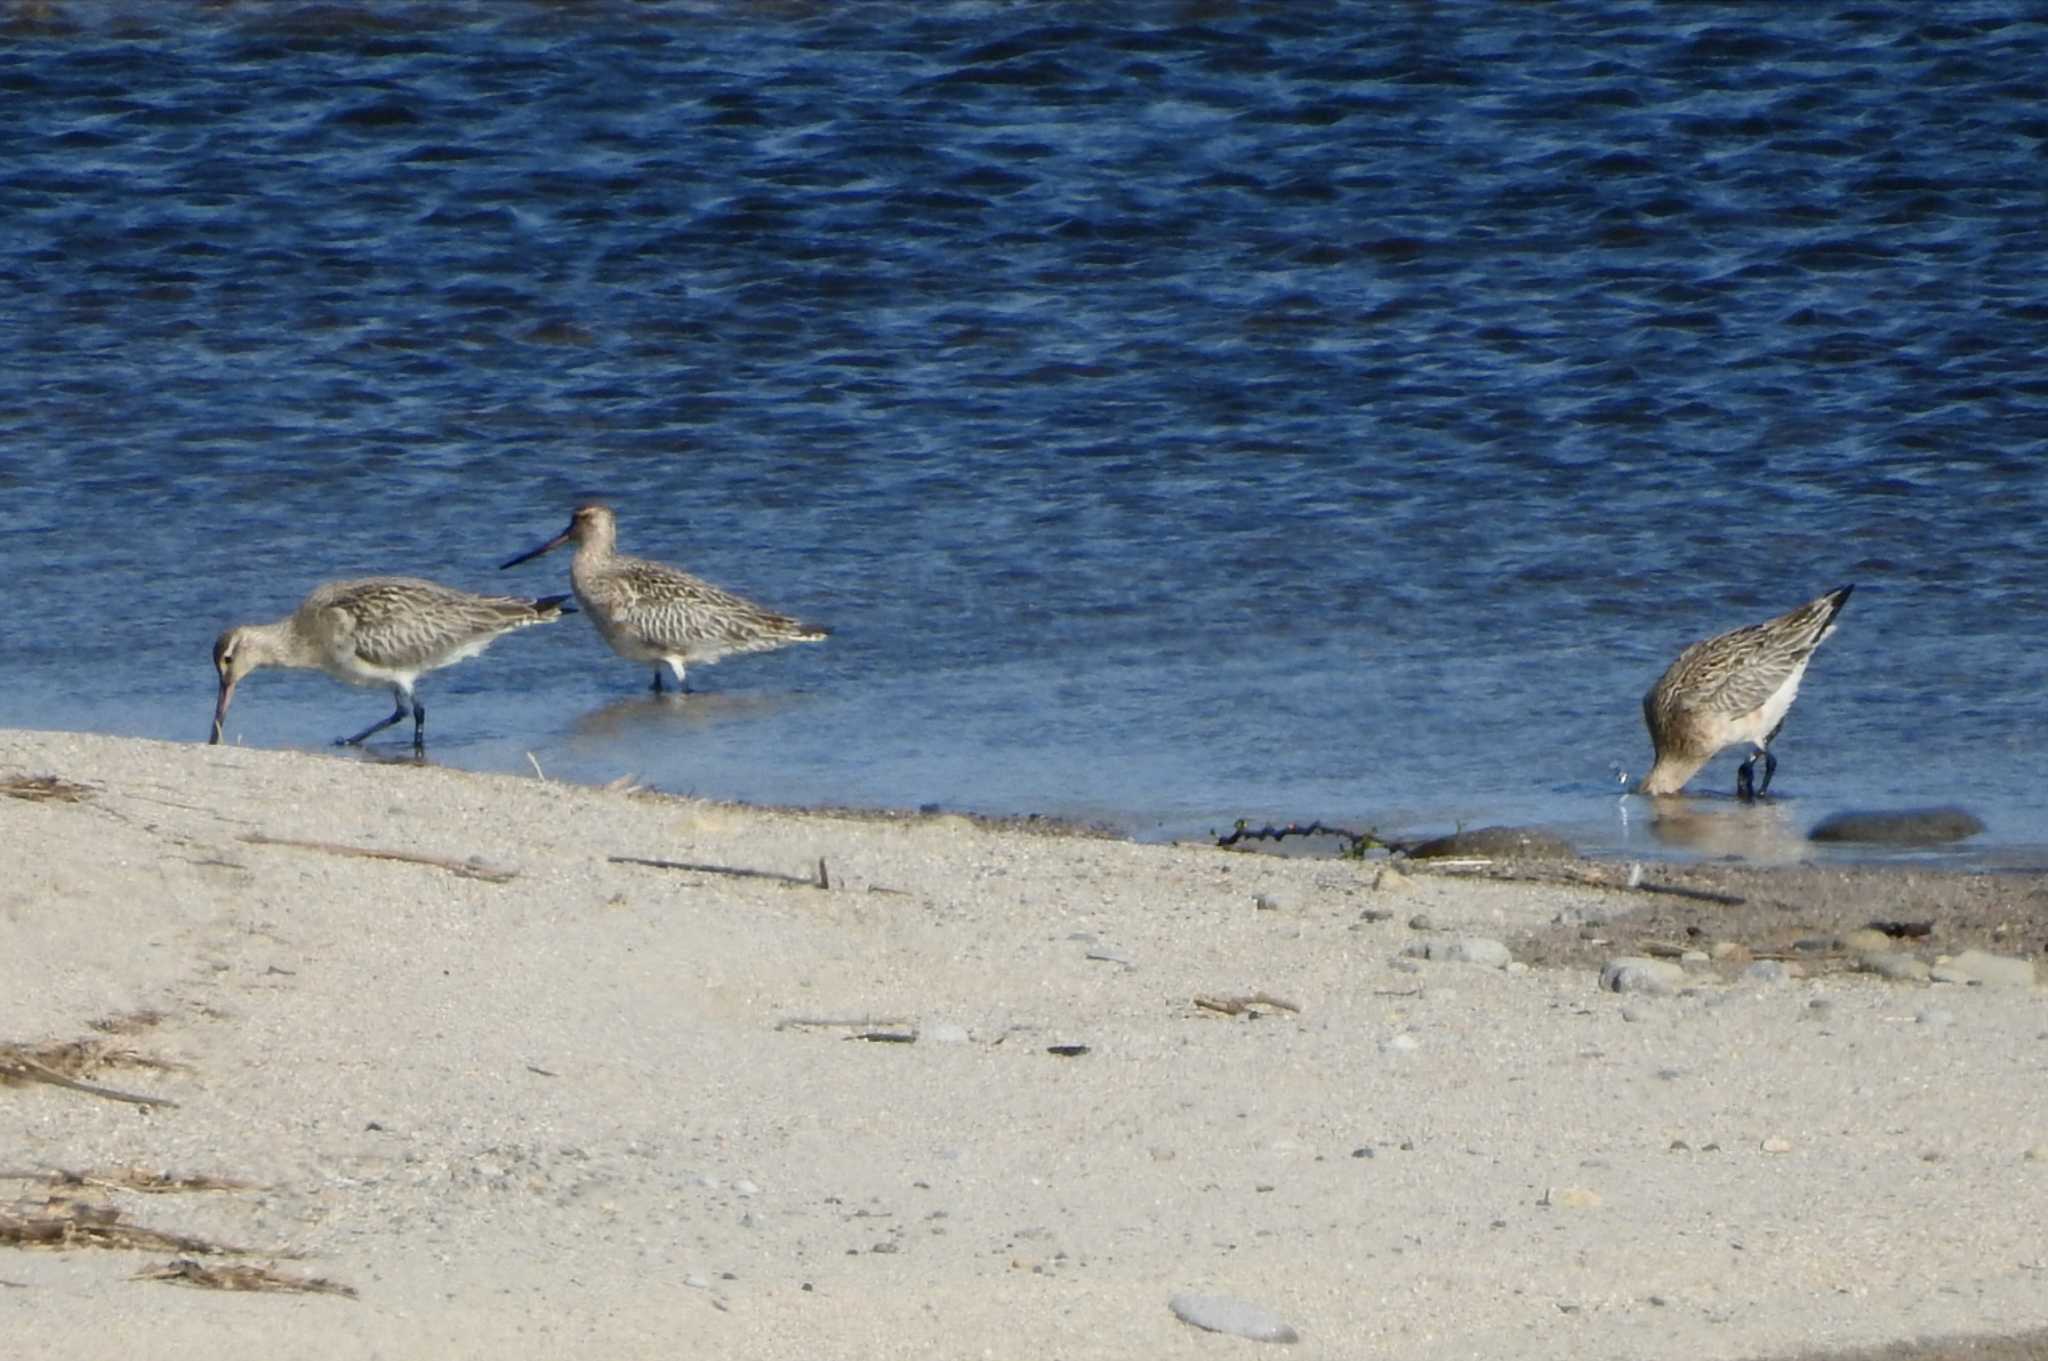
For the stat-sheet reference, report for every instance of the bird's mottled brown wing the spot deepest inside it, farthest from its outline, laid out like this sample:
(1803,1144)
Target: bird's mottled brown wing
(1736,672)
(673,609)
(406,622)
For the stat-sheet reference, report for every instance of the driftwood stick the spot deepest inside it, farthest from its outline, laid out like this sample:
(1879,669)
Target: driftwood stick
(439,862)
(843,1022)
(1697,894)
(15,1063)
(734,871)
(185,1271)
(1235,1006)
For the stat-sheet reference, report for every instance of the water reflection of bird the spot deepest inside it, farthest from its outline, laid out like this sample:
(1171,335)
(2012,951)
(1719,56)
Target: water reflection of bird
(629,717)
(1759,833)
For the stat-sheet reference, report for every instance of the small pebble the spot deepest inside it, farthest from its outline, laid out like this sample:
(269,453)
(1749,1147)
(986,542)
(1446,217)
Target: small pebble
(1901,968)
(1634,973)
(2037,1154)
(1981,966)
(1774,1144)
(1765,971)
(1901,827)
(1463,950)
(1237,1318)
(1520,843)
(1403,1043)
(1421,922)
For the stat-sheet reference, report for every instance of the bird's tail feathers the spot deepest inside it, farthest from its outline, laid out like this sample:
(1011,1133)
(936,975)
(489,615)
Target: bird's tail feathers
(1826,608)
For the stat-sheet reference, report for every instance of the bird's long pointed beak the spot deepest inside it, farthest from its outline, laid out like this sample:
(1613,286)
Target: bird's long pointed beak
(220,709)
(531,553)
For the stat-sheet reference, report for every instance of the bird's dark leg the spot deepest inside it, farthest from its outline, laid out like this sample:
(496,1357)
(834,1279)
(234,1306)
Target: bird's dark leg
(1743,777)
(397,715)
(1770,769)
(657,678)
(419,728)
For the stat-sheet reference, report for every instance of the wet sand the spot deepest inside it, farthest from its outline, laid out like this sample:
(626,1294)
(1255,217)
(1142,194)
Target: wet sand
(985,1090)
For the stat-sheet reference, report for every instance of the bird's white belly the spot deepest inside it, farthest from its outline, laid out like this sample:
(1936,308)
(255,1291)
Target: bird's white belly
(1761,722)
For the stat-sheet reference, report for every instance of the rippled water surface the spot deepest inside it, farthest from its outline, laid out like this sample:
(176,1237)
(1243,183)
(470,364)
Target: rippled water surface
(1179,412)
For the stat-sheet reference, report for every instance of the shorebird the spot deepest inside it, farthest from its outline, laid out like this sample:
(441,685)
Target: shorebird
(376,631)
(1735,687)
(651,612)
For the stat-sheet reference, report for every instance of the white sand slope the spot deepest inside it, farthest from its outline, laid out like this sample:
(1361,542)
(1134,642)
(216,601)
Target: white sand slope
(564,1114)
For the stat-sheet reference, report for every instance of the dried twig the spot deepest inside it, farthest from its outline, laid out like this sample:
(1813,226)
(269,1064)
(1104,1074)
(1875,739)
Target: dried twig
(1356,843)
(842,1022)
(462,867)
(1237,1006)
(734,871)
(62,1223)
(185,1271)
(131,1179)
(44,789)
(20,1065)
(1697,894)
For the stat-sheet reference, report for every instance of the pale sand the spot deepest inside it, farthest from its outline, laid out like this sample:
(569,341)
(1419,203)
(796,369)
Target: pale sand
(559,1117)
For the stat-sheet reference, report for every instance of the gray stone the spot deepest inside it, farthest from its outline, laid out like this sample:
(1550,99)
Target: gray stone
(1403,1043)
(1494,843)
(1902,827)
(1766,971)
(1468,950)
(1421,922)
(1222,1314)
(1900,968)
(1633,973)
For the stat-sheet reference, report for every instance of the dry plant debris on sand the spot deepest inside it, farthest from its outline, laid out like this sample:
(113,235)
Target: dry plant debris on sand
(186,1271)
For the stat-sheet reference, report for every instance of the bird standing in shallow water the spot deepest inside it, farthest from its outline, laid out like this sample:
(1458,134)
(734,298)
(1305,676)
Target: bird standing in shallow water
(651,612)
(376,631)
(1735,687)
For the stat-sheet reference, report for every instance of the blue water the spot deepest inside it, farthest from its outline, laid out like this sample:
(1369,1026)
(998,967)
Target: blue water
(1180,412)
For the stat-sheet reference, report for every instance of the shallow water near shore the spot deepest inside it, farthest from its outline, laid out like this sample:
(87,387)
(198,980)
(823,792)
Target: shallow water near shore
(1179,417)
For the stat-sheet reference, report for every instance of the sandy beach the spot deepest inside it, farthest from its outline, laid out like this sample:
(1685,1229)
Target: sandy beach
(446,1041)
